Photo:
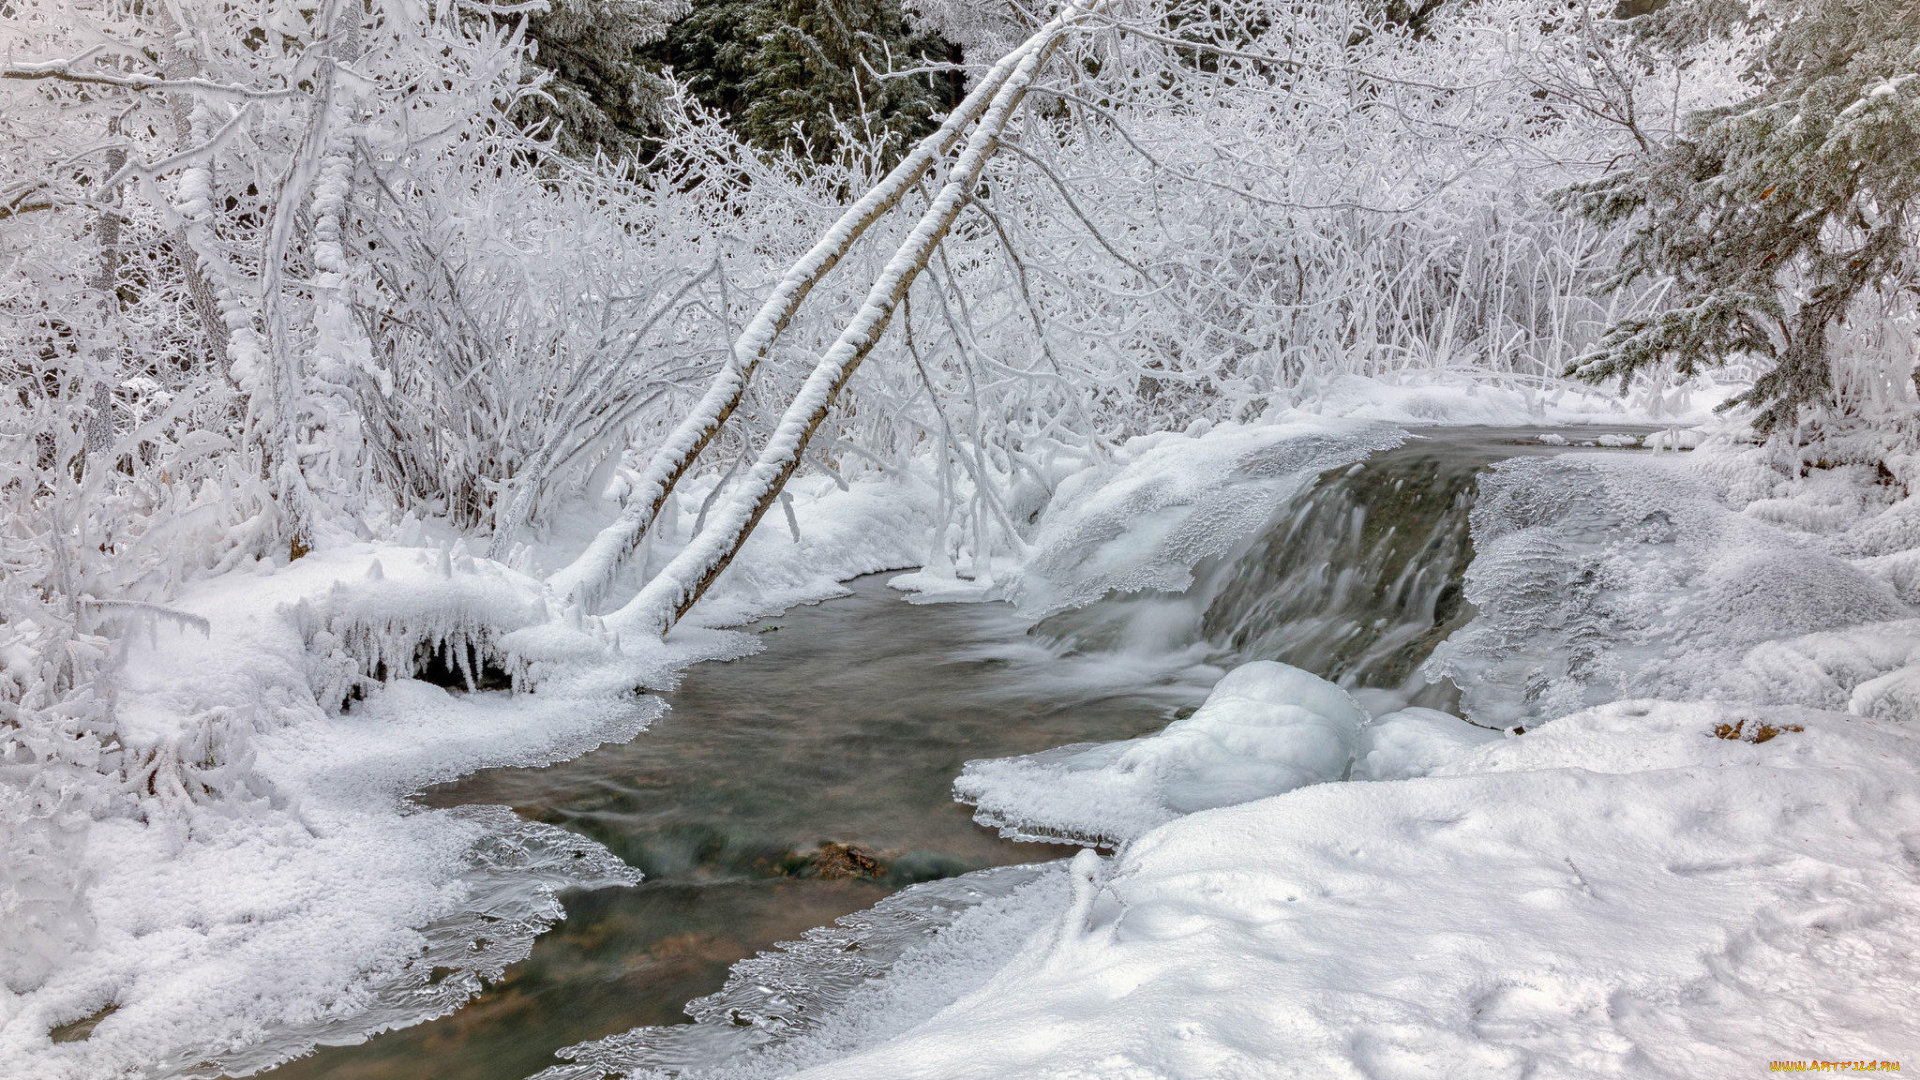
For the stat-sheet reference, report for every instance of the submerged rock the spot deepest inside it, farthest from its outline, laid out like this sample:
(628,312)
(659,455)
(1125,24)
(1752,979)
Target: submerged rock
(842,861)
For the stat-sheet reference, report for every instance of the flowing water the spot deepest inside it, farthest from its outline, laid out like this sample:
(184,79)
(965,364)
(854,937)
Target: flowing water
(812,779)
(847,730)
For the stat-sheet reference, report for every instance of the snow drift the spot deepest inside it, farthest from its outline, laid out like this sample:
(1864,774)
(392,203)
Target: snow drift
(1267,728)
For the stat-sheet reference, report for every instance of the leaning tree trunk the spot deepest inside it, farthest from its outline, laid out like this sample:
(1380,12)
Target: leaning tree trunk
(593,571)
(682,582)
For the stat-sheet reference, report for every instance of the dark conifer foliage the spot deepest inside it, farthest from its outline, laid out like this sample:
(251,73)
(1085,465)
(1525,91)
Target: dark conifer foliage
(792,73)
(1772,215)
(603,94)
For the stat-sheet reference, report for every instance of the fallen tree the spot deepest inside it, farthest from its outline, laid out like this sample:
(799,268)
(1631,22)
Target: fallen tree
(681,583)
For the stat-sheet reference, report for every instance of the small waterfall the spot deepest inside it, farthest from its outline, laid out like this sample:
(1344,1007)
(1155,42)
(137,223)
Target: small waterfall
(1356,579)
(1361,577)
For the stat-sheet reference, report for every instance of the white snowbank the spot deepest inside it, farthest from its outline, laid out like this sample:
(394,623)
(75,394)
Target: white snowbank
(1471,400)
(1646,889)
(1265,729)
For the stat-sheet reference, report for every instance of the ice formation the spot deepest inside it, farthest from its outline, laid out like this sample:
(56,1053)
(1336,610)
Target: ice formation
(1599,578)
(1267,728)
(1415,742)
(869,976)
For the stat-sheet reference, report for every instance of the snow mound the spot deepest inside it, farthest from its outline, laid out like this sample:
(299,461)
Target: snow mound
(1647,889)
(1266,728)
(1675,439)
(1414,742)
(1170,500)
(1438,401)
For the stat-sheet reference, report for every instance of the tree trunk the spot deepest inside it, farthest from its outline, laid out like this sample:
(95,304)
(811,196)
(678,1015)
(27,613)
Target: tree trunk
(685,579)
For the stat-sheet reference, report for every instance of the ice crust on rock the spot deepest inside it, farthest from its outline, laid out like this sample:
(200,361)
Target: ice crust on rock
(1266,728)
(1600,578)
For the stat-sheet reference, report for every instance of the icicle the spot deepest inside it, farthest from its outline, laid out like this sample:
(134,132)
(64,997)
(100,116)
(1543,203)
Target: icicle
(793,523)
(446,561)
(461,646)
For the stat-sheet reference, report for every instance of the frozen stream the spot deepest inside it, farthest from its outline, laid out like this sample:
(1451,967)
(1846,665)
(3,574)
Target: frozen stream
(850,727)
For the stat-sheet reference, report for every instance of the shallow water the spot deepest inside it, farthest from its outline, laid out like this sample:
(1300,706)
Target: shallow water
(849,728)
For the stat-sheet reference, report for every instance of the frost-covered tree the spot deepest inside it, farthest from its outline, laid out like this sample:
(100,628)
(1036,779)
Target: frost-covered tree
(1774,215)
(276,276)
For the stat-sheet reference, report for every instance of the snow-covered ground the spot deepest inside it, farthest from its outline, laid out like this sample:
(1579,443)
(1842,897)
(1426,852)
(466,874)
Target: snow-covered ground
(1695,884)
(280,889)
(1643,889)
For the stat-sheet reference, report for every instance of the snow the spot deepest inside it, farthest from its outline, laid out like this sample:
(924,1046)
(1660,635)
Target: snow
(1266,728)
(1603,577)
(1433,399)
(1675,439)
(1688,884)
(1415,742)
(1697,857)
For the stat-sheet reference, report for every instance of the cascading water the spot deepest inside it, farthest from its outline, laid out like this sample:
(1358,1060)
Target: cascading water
(1357,578)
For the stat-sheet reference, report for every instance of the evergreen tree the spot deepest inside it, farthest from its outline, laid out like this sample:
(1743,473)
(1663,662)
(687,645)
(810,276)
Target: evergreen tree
(791,72)
(603,95)
(1771,216)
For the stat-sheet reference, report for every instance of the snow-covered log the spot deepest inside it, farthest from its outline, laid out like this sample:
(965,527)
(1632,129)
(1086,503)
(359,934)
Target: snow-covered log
(680,584)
